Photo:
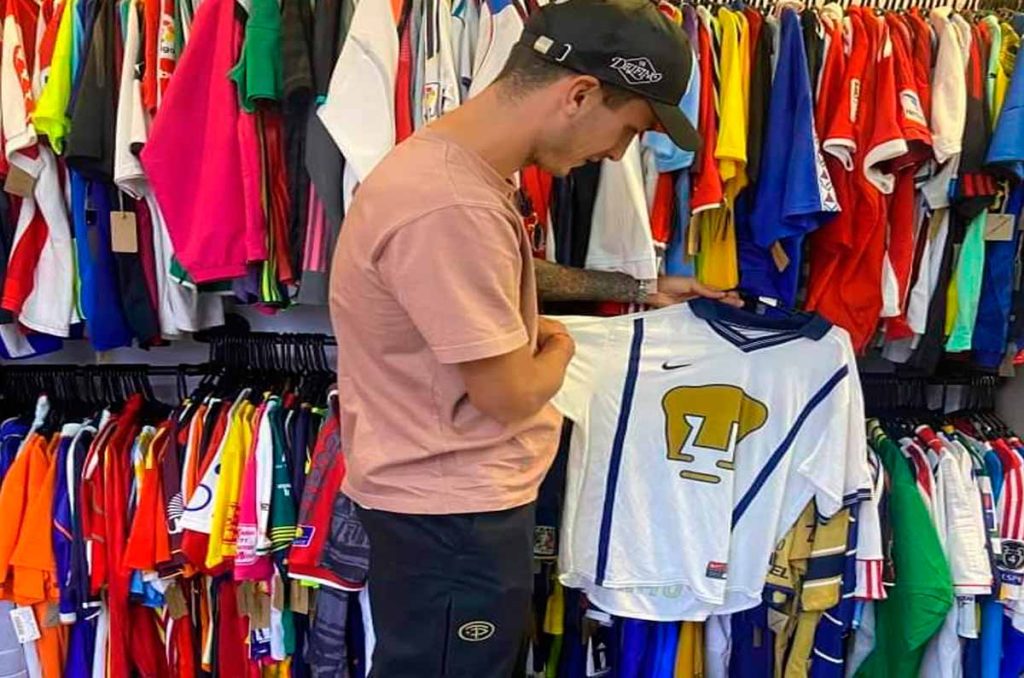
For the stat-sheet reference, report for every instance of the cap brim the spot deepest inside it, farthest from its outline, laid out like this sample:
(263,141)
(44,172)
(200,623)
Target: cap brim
(676,126)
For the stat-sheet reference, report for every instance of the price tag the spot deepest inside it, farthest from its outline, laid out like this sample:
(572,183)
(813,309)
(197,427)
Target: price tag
(277,593)
(779,256)
(999,227)
(25,627)
(176,605)
(19,182)
(299,597)
(261,610)
(52,618)
(124,235)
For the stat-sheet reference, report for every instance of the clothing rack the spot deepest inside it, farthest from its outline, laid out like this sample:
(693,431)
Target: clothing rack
(890,394)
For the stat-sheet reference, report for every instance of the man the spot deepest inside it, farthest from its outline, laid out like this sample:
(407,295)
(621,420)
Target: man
(445,369)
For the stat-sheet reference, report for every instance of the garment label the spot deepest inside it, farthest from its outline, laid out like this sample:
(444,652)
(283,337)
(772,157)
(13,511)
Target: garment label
(999,227)
(25,627)
(19,182)
(124,235)
(716,570)
(602,618)
(779,256)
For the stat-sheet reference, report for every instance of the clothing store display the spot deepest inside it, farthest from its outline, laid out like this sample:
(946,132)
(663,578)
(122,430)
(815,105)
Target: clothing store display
(160,540)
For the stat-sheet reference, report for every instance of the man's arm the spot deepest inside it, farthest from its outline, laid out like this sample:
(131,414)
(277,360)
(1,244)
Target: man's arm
(562,283)
(516,385)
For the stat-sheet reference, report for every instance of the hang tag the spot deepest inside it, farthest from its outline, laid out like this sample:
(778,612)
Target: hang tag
(597,658)
(299,597)
(124,236)
(244,594)
(25,627)
(999,227)
(19,182)
(261,610)
(966,617)
(779,256)
(1007,368)
(176,605)
(52,618)
(277,593)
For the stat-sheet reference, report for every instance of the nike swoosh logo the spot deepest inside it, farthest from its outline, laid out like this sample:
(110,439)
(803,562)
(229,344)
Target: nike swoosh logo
(670,366)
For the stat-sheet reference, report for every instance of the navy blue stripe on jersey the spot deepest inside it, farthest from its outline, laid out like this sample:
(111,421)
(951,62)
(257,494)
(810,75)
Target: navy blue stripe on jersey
(780,451)
(625,411)
(748,345)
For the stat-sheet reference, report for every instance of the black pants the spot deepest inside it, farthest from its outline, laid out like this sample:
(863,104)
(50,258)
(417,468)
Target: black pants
(450,594)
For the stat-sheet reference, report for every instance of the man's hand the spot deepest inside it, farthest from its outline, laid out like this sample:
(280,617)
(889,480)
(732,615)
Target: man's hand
(677,289)
(549,330)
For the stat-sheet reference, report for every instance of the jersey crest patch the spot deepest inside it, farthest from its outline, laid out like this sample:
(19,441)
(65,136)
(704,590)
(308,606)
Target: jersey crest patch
(714,418)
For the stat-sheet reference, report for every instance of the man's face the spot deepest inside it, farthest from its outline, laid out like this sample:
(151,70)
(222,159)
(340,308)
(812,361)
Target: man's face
(589,130)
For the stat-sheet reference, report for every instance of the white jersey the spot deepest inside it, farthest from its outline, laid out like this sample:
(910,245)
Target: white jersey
(701,434)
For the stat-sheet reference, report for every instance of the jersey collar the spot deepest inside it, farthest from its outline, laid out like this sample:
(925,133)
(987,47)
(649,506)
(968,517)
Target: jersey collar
(729,323)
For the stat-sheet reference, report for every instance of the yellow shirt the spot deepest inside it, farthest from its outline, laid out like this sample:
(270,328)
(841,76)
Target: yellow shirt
(50,115)
(224,522)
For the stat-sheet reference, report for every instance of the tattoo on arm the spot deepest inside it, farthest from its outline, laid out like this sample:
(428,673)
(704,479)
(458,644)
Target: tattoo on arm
(561,283)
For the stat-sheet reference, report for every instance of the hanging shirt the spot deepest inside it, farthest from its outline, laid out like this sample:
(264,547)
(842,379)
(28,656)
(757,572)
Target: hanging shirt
(620,232)
(359,109)
(730,452)
(796,196)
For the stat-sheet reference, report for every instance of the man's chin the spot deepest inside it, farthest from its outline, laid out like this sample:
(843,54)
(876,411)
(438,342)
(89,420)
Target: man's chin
(559,171)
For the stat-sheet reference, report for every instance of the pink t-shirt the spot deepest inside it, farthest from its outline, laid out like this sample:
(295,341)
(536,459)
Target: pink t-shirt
(433,268)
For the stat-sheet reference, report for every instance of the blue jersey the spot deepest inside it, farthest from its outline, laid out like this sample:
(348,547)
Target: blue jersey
(794,194)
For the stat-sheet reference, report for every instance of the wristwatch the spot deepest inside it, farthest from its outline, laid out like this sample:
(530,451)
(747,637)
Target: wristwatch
(643,290)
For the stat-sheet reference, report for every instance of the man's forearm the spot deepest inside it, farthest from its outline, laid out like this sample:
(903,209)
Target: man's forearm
(561,283)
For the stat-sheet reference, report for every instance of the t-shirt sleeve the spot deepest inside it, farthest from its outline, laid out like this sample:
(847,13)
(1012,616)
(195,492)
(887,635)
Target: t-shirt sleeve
(591,336)
(458,273)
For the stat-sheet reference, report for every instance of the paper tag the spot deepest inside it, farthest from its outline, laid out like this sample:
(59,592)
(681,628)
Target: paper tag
(124,236)
(176,605)
(19,182)
(966,617)
(25,627)
(999,227)
(261,610)
(277,593)
(597,658)
(52,617)
(1006,368)
(244,596)
(779,256)
(299,598)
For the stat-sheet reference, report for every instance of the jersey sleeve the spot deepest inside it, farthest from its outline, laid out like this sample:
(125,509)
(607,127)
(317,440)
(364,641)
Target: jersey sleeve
(592,336)
(835,465)
(466,305)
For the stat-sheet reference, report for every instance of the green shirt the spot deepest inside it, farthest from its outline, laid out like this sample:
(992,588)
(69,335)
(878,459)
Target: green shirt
(923,592)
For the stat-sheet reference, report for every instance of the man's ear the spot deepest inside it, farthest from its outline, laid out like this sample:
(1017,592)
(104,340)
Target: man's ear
(581,92)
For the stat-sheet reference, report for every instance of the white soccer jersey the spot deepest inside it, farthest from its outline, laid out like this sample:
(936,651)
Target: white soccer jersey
(702,432)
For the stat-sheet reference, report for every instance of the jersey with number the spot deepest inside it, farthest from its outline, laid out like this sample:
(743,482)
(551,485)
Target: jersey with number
(701,433)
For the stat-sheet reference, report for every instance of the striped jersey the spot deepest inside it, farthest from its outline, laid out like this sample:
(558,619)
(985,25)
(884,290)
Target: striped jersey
(701,434)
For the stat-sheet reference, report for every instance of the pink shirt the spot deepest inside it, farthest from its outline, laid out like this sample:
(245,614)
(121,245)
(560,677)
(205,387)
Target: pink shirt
(433,268)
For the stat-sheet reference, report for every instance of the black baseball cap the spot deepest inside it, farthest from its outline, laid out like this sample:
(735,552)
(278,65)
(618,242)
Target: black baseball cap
(626,43)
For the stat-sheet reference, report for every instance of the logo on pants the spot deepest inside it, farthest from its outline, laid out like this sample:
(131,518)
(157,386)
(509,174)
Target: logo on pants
(476,631)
